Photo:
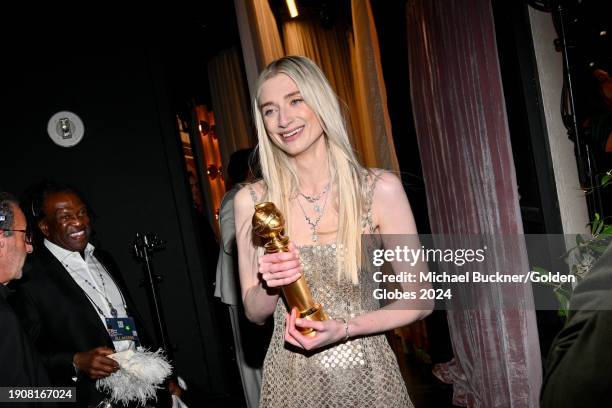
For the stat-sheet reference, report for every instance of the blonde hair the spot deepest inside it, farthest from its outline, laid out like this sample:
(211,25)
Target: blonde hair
(280,176)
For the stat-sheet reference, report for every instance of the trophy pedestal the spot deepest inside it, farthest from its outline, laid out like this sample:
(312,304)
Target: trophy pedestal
(268,224)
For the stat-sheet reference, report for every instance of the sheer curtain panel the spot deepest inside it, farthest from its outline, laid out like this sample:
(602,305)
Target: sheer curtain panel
(464,144)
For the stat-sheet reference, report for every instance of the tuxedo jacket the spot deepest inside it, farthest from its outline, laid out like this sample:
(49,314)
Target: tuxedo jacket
(61,321)
(580,359)
(21,364)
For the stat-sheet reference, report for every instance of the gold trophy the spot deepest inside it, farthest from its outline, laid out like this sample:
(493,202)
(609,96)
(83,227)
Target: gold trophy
(269,225)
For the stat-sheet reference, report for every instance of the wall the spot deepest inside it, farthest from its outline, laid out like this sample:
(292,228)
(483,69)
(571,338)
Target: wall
(572,203)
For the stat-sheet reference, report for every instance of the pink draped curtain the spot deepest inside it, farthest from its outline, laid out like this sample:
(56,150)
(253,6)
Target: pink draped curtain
(469,175)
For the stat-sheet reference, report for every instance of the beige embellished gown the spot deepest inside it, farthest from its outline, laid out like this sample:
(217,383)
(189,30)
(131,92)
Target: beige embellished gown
(362,372)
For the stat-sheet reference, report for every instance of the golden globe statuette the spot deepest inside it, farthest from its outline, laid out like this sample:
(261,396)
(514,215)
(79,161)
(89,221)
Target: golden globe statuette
(269,225)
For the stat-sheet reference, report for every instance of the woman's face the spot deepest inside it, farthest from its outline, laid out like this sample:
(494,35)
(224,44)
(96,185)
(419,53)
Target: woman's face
(289,121)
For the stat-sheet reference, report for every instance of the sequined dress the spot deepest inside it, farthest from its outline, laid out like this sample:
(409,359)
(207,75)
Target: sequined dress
(362,372)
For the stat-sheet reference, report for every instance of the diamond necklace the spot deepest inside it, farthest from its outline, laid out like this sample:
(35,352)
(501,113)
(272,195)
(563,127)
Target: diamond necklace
(312,199)
(314,224)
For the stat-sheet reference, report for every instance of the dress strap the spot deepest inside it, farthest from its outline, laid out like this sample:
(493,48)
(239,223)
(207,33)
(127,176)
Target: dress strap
(371,178)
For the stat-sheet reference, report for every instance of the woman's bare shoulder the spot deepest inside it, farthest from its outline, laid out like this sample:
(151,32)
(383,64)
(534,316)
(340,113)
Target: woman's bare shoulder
(384,182)
(250,194)
(389,181)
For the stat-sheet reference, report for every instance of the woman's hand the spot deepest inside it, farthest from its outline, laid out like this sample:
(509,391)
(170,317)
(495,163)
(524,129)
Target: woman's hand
(281,268)
(327,332)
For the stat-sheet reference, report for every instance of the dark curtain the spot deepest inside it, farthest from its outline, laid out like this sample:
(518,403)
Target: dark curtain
(469,174)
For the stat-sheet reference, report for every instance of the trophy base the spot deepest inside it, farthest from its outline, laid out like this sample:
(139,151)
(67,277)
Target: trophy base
(316,314)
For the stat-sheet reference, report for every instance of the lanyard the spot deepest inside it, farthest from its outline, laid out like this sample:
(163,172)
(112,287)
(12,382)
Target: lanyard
(111,308)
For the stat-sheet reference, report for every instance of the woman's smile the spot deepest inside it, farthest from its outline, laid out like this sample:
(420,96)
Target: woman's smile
(293,134)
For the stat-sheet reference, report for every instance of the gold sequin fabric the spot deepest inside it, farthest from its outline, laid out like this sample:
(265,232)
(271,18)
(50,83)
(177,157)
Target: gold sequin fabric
(362,372)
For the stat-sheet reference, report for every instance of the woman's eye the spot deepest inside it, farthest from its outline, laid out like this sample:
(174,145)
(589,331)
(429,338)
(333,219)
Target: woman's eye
(268,112)
(296,101)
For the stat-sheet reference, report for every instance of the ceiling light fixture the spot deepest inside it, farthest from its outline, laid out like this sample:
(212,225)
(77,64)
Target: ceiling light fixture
(293,11)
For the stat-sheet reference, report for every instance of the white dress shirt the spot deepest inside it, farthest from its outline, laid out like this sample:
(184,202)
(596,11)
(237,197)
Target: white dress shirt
(93,278)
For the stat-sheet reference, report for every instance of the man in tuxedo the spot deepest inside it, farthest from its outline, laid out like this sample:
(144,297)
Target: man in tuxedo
(72,295)
(22,365)
(577,373)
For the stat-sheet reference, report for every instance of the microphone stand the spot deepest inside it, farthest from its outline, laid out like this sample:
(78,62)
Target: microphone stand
(144,246)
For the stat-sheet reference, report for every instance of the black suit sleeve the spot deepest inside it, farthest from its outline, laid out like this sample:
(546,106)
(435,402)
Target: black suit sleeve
(20,362)
(59,363)
(580,364)
(578,369)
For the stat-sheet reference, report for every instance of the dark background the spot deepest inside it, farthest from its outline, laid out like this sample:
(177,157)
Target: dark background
(126,73)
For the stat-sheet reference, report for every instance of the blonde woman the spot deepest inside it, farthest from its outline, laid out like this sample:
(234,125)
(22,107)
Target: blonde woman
(328,199)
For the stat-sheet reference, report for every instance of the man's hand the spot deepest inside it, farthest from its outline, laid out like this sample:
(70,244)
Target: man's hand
(94,362)
(174,388)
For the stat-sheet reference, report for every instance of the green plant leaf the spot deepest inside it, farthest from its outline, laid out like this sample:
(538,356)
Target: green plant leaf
(565,293)
(539,270)
(563,299)
(598,248)
(597,225)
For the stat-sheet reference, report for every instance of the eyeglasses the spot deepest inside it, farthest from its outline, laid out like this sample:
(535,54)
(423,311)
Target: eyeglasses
(26,234)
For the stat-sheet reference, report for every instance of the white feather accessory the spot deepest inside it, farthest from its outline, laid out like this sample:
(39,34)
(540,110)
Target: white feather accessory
(140,374)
